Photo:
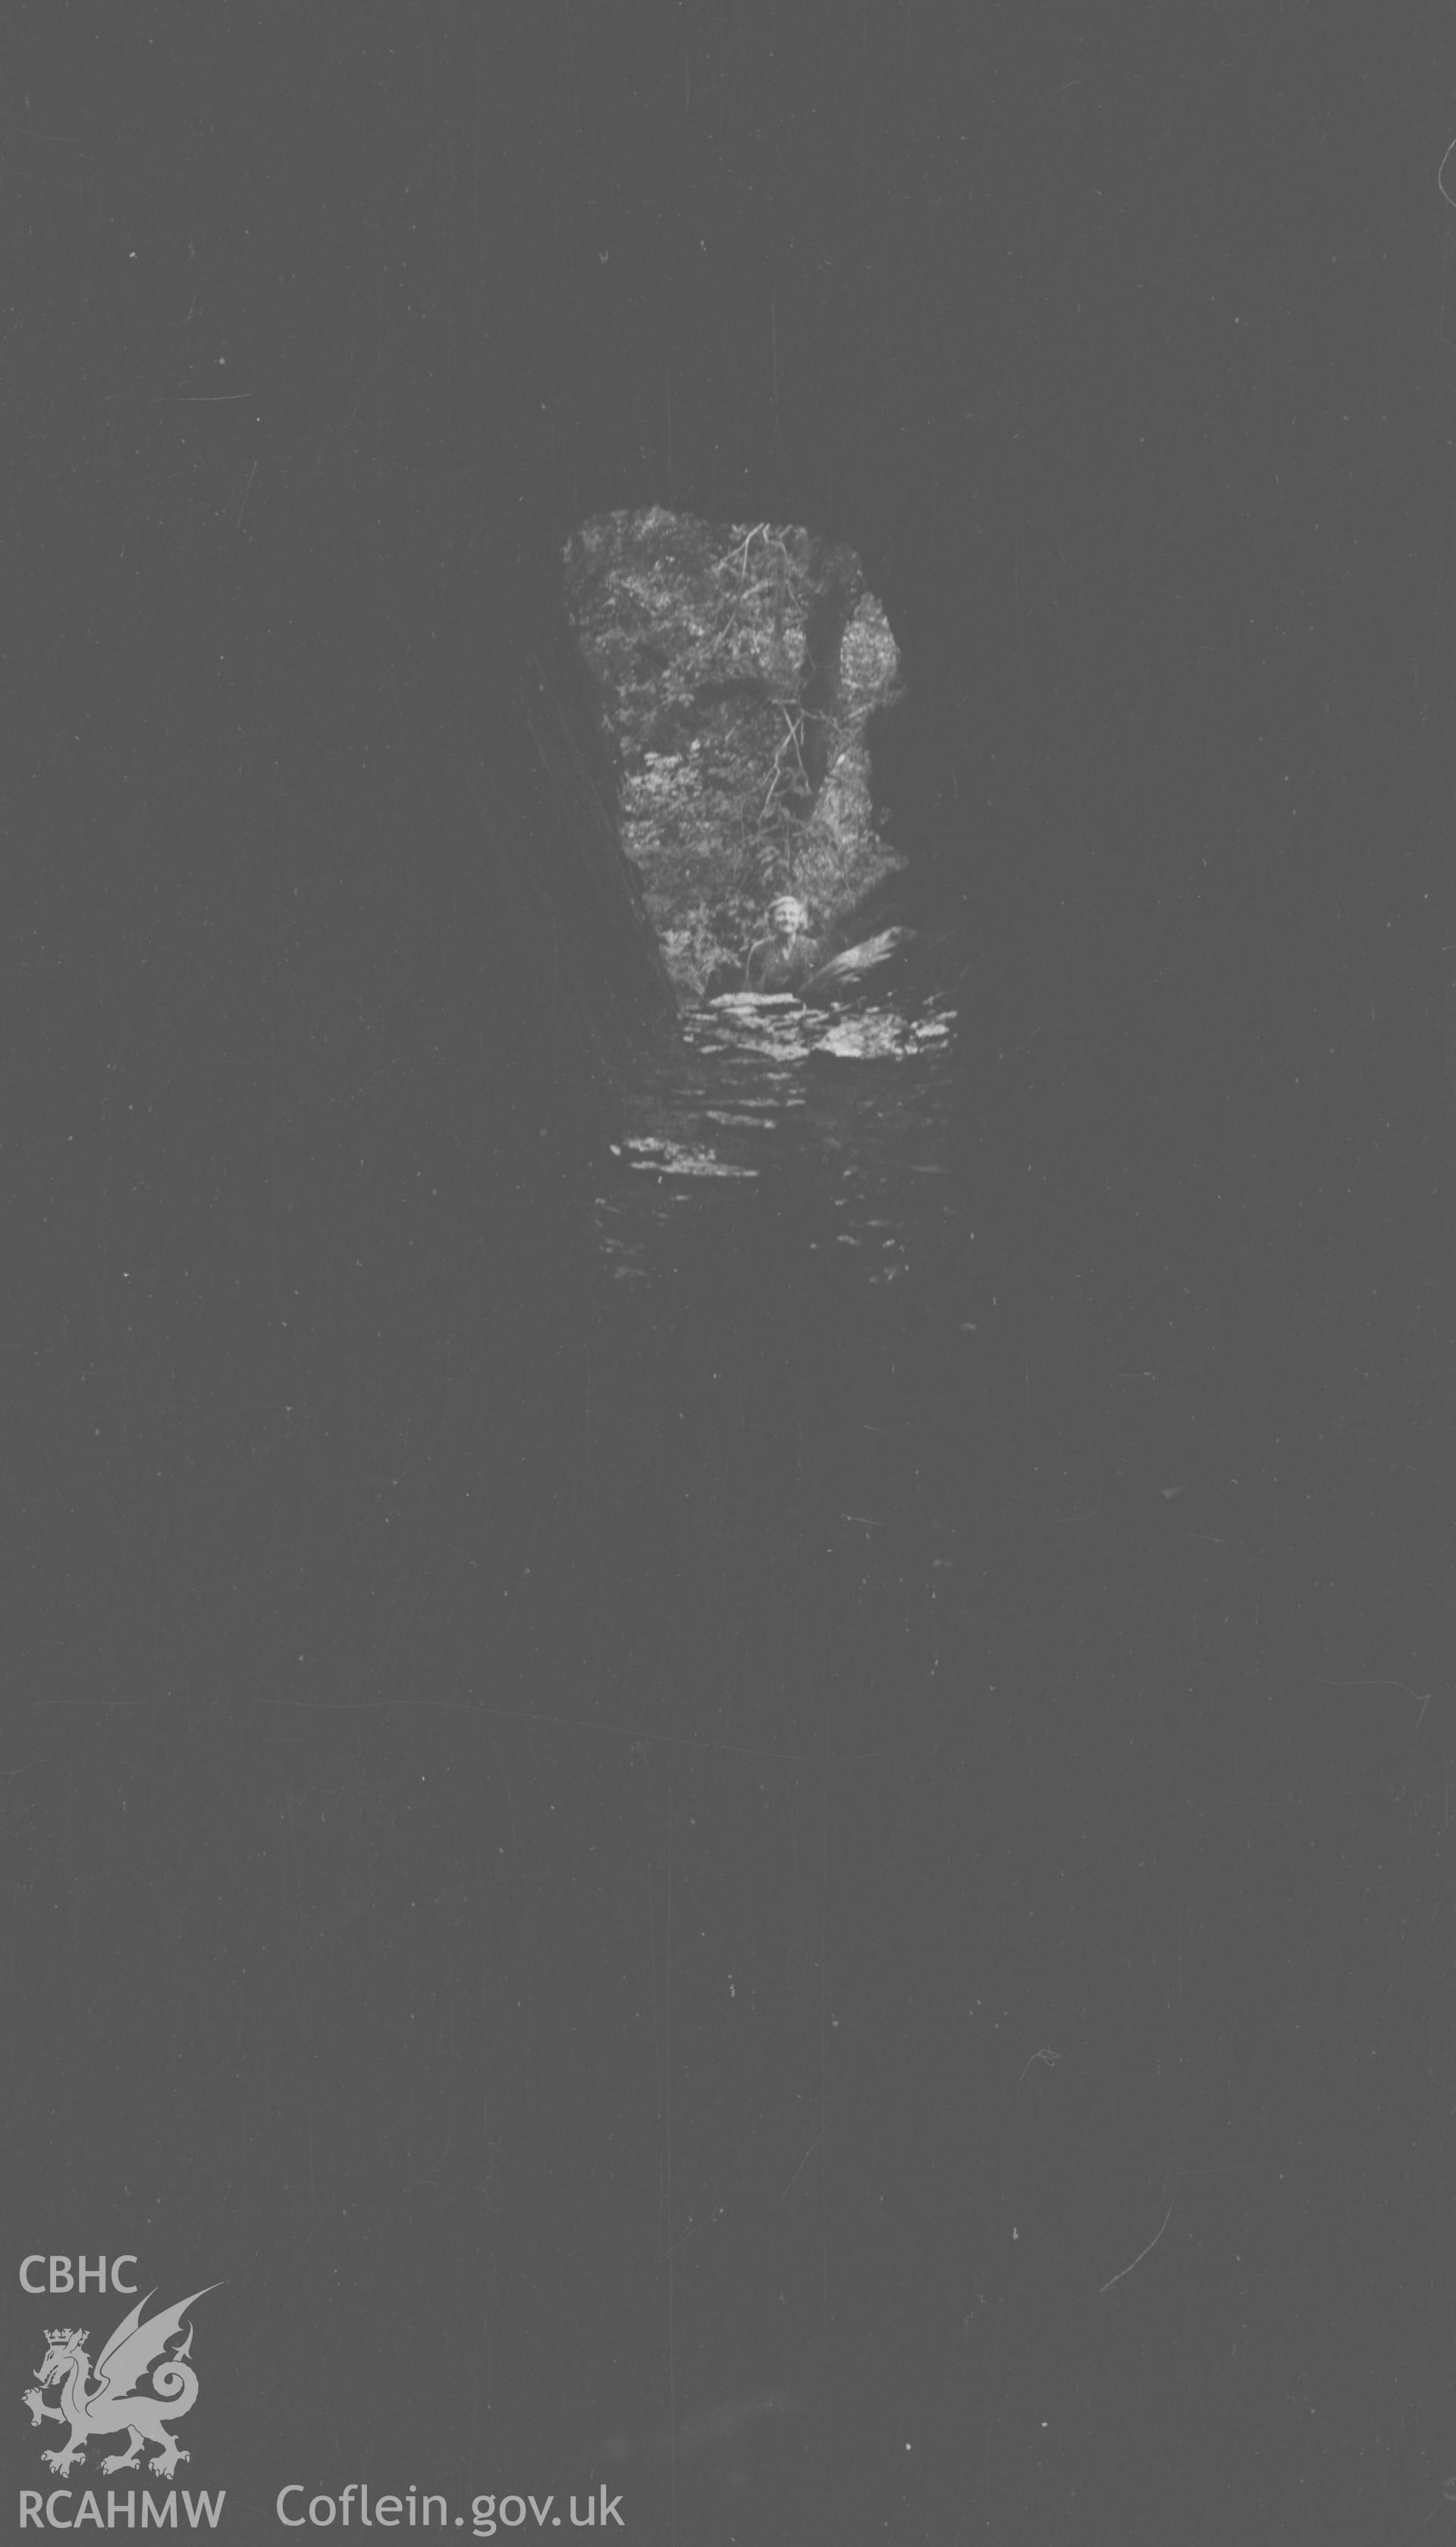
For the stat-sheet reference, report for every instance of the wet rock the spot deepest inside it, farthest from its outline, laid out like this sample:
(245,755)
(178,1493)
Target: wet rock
(850,972)
(738,668)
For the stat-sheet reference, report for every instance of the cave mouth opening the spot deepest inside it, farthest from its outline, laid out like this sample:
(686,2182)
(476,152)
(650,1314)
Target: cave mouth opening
(737,670)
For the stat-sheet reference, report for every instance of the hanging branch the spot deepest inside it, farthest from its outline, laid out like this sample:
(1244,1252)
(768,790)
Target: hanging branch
(792,738)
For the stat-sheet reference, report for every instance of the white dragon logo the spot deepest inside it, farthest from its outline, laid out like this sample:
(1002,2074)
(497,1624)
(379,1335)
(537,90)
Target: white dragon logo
(118,2405)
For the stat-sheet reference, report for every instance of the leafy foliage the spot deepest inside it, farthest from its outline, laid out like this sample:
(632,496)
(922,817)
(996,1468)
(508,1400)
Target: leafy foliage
(737,667)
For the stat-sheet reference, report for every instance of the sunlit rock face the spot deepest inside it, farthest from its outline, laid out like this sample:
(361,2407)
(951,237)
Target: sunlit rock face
(737,667)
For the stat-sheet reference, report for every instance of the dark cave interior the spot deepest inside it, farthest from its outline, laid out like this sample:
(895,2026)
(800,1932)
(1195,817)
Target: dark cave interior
(1111,344)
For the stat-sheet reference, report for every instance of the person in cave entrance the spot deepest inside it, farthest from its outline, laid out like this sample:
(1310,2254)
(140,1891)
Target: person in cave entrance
(785,959)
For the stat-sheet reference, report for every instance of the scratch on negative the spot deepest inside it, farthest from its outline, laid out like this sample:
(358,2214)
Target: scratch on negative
(1422,1697)
(1147,2251)
(803,2163)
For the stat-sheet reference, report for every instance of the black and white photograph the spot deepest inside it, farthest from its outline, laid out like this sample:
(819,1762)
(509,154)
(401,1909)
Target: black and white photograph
(728,1306)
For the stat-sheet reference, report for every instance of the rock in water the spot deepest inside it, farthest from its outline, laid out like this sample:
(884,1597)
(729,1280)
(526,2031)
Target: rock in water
(856,968)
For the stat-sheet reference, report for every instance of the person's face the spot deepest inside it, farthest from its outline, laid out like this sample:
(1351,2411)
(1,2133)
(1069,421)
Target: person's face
(786,924)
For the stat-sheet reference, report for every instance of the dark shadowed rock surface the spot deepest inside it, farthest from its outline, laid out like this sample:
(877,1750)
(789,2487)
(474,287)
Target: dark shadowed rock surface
(738,668)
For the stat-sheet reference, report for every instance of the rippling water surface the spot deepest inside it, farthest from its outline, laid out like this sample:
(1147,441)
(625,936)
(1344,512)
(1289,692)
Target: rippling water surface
(845,1112)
